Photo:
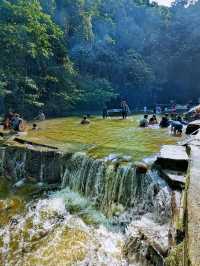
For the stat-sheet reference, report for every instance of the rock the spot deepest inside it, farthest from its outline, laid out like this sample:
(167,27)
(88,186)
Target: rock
(22,141)
(147,241)
(175,179)
(193,209)
(111,157)
(176,233)
(141,167)
(150,160)
(173,157)
(19,183)
(126,158)
(193,127)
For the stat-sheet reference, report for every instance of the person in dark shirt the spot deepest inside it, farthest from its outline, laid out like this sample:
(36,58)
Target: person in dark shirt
(125,109)
(104,113)
(164,123)
(176,128)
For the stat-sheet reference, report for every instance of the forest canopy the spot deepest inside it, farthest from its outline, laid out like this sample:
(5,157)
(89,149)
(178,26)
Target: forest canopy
(65,55)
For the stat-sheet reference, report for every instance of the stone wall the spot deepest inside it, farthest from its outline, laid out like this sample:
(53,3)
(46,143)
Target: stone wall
(19,162)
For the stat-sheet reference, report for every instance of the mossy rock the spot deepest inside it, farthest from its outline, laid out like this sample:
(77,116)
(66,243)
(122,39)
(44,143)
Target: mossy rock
(176,256)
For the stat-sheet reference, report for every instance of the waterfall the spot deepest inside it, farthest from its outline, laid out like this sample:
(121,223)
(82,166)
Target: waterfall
(2,158)
(42,166)
(19,168)
(102,190)
(109,184)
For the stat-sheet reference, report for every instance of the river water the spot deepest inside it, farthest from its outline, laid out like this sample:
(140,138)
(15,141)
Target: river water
(88,220)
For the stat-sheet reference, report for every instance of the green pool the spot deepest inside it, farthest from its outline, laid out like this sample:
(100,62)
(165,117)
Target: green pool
(102,137)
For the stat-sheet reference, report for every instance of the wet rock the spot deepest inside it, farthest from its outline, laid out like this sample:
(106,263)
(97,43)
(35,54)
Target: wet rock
(20,183)
(150,160)
(173,157)
(176,180)
(111,157)
(176,232)
(193,208)
(193,127)
(147,243)
(141,167)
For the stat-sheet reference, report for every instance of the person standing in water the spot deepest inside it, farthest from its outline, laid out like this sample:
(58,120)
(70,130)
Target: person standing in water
(125,109)
(104,113)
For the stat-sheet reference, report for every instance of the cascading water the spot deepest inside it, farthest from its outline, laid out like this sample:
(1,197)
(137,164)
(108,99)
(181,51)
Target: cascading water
(2,159)
(138,203)
(105,183)
(46,234)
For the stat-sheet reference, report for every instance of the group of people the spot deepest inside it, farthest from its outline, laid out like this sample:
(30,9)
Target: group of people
(176,122)
(13,121)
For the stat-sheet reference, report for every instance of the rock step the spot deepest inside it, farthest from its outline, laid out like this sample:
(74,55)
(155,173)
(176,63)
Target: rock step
(22,141)
(175,179)
(173,157)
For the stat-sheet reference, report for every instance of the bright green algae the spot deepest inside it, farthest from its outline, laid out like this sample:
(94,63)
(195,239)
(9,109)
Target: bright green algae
(102,137)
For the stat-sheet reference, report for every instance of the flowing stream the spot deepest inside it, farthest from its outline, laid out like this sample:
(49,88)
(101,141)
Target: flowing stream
(100,209)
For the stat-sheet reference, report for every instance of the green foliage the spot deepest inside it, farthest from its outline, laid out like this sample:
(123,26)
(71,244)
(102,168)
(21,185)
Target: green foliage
(95,93)
(64,54)
(33,56)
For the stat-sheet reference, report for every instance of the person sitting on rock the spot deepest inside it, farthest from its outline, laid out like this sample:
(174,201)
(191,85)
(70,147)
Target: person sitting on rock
(85,121)
(144,122)
(17,123)
(153,120)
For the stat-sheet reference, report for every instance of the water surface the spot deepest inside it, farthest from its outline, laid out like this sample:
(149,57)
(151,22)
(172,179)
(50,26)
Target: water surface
(103,137)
